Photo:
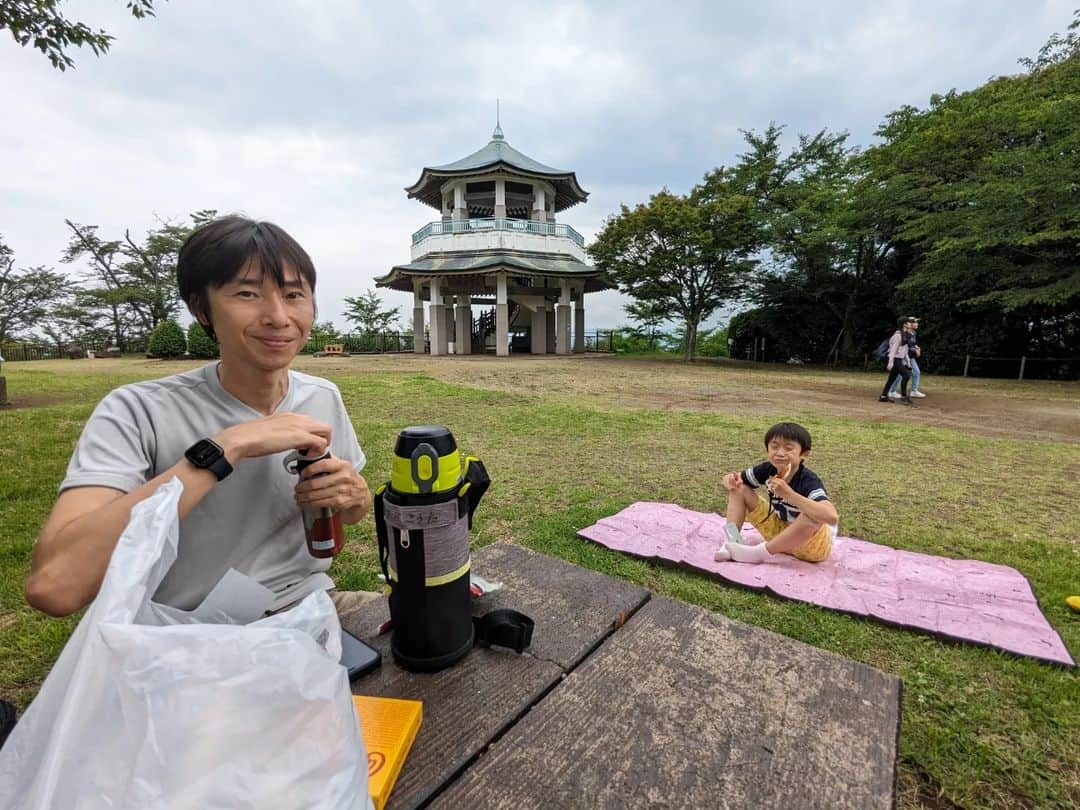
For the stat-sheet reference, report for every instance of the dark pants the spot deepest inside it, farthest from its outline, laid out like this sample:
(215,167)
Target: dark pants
(904,373)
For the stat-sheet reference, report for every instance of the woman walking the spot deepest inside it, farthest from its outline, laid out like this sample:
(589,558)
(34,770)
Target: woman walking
(914,353)
(897,361)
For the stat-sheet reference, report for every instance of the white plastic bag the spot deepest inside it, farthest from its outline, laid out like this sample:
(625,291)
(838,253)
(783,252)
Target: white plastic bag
(146,710)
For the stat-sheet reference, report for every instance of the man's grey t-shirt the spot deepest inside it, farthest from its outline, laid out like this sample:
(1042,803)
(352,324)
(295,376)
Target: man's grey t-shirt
(250,520)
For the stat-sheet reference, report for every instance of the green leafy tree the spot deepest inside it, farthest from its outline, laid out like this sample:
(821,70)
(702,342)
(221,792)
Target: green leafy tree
(713,343)
(199,343)
(681,257)
(69,321)
(365,312)
(647,333)
(26,294)
(41,23)
(1057,49)
(167,340)
(113,294)
(321,334)
(826,272)
(135,283)
(150,267)
(982,186)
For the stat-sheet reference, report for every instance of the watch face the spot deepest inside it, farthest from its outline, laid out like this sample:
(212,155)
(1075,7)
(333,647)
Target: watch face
(203,453)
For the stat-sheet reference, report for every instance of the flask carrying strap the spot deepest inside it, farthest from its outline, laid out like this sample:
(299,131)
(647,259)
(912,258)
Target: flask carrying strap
(476,483)
(504,628)
(381,533)
(497,628)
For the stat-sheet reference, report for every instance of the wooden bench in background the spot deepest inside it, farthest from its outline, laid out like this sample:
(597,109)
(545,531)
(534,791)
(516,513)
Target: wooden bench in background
(332,350)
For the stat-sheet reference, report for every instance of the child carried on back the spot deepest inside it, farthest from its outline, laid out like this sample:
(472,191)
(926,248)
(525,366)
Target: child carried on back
(796,516)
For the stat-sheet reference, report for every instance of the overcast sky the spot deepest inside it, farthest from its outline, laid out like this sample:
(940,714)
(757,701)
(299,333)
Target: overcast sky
(316,113)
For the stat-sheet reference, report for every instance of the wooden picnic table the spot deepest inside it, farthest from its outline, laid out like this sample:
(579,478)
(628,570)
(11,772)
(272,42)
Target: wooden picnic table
(626,699)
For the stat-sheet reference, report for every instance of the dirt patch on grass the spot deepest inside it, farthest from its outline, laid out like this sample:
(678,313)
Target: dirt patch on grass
(1042,411)
(977,413)
(916,791)
(992,408)
(33,402)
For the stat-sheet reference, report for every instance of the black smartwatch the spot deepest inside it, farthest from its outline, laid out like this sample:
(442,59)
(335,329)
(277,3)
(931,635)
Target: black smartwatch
(207,454)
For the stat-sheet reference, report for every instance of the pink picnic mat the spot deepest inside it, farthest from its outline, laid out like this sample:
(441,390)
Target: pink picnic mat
(964,599)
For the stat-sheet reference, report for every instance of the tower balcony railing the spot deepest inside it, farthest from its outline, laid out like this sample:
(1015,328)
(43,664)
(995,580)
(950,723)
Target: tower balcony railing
(497,224)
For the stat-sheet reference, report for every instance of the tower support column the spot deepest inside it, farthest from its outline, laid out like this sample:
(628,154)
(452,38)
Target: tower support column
(539,330)
(539,206)
(579,322)
(549,320)
(461,211)
(502,318)
(438,325)
(463,319)
(418,317)
(562,320)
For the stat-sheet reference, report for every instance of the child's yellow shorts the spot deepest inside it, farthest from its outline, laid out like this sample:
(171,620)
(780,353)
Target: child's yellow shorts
(815,549)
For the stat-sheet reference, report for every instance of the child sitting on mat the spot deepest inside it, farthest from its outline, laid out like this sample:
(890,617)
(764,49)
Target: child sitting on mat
(795,518)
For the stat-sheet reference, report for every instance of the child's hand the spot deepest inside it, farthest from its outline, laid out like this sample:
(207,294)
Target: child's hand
(733,482)
(779,487)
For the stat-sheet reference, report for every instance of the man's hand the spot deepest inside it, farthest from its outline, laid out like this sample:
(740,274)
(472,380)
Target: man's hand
(274,434)
(733,482)
(333,483)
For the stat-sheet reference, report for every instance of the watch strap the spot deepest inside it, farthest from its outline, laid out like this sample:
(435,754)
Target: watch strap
(220,467)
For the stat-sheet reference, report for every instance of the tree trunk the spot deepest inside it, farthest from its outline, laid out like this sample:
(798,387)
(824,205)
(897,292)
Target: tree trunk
(690,338)
(117,337)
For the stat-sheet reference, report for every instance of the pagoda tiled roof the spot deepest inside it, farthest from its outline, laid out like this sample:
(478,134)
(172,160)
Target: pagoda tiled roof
(499,151)
(496,156)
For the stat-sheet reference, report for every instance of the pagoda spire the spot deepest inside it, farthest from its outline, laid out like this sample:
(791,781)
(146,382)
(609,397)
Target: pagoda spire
(497,135)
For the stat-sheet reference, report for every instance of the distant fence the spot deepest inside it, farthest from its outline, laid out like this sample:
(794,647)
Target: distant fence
(953,365)
(1001,368)
(35,350)
(367,343)
(616,340)
(599,340)
(363,343)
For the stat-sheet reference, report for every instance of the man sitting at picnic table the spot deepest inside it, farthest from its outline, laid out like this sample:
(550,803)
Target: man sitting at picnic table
(223,430)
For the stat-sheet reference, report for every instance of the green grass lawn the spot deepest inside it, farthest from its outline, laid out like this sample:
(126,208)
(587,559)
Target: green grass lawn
(981,728)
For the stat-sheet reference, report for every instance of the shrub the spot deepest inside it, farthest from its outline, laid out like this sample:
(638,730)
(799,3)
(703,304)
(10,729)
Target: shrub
(199,343)
(167,340)
(713,343)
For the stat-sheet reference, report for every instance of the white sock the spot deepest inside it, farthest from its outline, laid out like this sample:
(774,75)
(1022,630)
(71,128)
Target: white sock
(732,533)
(748,554)
(722,554)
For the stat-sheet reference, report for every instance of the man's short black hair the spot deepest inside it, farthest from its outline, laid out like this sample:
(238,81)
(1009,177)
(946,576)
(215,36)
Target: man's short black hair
(215,253)
(789,430)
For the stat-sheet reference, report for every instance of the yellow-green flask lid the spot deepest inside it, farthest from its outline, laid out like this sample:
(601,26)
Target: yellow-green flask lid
(426,460)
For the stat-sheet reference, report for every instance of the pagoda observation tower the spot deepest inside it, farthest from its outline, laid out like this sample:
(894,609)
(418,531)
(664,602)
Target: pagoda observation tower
(498,246)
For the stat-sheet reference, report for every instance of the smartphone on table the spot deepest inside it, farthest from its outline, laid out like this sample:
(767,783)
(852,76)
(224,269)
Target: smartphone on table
(356,656)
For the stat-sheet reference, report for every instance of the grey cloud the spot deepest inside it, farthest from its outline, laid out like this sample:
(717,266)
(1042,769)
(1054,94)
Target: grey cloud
(316,114)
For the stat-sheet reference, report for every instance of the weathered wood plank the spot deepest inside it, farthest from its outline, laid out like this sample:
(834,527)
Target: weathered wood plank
(478,698)
(686,708)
